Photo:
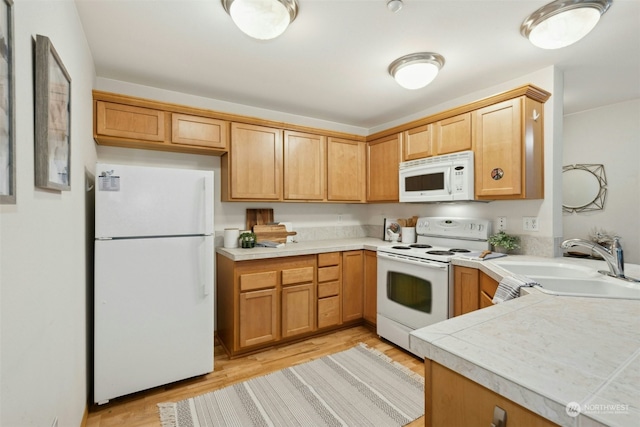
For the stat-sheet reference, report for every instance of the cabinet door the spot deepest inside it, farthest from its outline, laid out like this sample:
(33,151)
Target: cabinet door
(199,131)
(457,401)
(498,149)
(304,166)
(298,309)
(370,286)
(352,285)
(258,317)
(383,159)
(125,121)
(452,135)
(345,170)
(466,290)
(417,143)
(256,162)
(488,287)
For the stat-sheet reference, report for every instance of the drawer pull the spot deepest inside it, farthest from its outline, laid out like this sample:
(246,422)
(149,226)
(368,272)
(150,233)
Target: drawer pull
(499,417)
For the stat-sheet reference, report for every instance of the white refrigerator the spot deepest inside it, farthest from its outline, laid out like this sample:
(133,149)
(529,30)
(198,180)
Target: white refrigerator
(153,291)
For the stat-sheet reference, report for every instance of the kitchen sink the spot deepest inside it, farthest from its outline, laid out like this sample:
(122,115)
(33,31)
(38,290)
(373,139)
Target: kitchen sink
(549,269)
(559,278)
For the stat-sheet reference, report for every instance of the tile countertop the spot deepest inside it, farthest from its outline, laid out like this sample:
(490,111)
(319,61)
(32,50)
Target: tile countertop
(544,351)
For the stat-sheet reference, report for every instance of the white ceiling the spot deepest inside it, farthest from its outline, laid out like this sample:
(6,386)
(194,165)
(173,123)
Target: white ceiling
(331,63)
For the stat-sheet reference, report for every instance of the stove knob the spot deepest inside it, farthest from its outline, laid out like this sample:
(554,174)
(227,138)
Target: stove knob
(480,227)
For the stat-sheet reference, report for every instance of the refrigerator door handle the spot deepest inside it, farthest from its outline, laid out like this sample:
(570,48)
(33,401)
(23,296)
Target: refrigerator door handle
(207,207)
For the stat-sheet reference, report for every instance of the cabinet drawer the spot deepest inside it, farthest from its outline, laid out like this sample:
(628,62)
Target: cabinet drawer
(328,289)
(330,258)
(326,274)
(262,280)
(328,312)
(297,275)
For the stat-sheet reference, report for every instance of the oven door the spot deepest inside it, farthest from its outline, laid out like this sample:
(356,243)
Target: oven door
(412,292)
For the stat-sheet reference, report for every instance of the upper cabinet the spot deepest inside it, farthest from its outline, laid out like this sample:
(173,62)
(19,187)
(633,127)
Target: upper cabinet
(442,137)
(383,158)
(253,168)
(452,135)
(305,167)
(508,146)
(345,170)
(130,122)
(199,131)
(417,143)
(264,160)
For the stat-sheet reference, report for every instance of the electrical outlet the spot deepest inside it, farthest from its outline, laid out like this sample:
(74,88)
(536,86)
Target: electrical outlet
(502,223)
(530,223)
(339,218)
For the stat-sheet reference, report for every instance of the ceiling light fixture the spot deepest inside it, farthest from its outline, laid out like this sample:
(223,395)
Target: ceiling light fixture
(262,19)
(563,22)
(394,5)
(416,70)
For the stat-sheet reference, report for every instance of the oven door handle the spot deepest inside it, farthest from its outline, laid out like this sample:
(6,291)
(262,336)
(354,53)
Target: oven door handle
(413,261)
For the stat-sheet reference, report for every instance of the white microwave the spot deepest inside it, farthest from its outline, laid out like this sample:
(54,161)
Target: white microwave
(443,178)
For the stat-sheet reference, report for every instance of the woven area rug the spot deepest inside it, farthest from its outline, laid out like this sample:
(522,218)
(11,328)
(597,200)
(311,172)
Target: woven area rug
(356,387)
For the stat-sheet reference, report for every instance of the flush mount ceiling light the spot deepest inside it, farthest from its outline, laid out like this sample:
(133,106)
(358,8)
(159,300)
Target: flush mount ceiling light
(563,22)
(262,19)
(416,70)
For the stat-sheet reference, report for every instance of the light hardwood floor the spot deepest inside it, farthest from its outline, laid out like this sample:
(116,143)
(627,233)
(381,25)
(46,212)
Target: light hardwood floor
(140,409)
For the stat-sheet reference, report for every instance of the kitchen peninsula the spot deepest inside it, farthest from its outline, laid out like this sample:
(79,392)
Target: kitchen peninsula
(545,353)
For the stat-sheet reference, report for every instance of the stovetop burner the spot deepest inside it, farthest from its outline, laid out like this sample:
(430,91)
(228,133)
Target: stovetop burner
(440,253)
(420,246)
(406,248)
(459,250)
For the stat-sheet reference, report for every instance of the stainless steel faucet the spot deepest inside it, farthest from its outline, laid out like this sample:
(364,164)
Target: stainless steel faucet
(613,256)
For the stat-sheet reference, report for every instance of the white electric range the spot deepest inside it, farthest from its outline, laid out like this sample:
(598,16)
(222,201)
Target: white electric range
(415,281)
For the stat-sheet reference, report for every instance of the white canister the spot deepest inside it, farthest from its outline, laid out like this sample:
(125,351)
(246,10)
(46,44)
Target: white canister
(408,234)
(231,236)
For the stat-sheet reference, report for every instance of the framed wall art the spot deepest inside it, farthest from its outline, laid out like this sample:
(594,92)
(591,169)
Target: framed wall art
(7,106)
(53,119)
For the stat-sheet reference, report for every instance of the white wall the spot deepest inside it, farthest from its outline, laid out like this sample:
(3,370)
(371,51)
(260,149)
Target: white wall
(608,136)
(42,244)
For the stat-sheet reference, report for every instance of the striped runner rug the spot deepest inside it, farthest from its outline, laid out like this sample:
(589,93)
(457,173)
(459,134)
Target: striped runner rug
(356,387)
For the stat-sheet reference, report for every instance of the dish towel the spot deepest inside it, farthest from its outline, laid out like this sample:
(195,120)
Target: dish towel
(509,287)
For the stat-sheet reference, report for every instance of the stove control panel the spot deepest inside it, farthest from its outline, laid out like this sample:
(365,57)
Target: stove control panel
(464,228)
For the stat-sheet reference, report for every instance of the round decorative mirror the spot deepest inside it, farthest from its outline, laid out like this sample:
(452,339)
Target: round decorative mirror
(584,188)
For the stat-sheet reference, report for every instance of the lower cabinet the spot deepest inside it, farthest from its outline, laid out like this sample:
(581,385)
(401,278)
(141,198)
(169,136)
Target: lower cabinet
(454,400)
(258,321)
(370,287)
(268,301)
(352,285)
(472,290)
(329,286)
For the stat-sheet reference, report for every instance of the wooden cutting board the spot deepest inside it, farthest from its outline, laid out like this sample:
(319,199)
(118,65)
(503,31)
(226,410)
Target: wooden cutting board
(258,217)
(275,233)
